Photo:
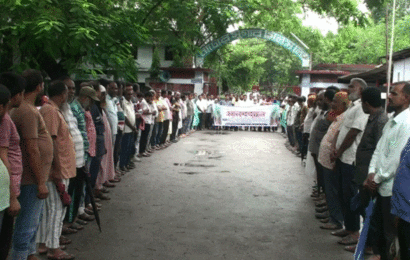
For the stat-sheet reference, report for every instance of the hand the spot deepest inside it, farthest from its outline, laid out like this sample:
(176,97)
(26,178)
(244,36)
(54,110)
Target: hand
(14,208)
(42,191)
(370,184)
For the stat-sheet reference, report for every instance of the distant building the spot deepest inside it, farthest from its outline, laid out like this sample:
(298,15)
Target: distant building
(401,65)
(325,75)
(184,80)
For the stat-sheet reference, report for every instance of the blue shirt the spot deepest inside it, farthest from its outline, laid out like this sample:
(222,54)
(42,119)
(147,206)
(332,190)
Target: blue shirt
(400,201)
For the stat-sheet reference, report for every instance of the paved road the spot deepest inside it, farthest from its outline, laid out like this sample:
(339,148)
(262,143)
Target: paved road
(236,195)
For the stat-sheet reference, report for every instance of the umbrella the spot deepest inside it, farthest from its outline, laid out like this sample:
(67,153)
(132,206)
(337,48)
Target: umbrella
(359,254)
(89,192)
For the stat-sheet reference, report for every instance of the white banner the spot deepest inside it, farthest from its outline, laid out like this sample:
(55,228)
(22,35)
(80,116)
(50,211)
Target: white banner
(245,116)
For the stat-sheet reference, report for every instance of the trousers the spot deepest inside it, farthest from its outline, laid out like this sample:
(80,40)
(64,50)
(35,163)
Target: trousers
(51,223)
(27,222)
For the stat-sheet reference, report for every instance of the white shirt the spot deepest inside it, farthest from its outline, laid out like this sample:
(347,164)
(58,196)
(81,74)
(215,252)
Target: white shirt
(209,106)
(129,113)
(386,157)
(202,105)
(357,119)
(307,125)
(112,114)
(148,118)
(167,111)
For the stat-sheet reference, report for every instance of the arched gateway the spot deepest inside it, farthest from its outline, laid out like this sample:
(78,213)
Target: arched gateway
(255,33)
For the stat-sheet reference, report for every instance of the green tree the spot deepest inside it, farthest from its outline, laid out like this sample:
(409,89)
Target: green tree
(155,70)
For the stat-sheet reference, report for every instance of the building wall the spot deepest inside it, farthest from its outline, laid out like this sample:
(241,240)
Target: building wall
(401,70)
(323,78)
(145,54)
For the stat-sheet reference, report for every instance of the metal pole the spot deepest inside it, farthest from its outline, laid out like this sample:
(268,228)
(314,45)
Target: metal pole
(390,54)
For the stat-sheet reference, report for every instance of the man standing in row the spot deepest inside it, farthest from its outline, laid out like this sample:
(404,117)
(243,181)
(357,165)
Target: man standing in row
(384,164)
(37,158)
(62,170)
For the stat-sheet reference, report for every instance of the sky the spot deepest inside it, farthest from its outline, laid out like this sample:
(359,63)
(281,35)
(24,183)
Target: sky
(325,24)
(316,21)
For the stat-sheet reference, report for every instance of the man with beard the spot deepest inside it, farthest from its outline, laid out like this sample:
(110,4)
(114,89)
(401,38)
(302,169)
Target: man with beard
(319,129)
(75,187)
(383,166)
(37,154)
(348,139)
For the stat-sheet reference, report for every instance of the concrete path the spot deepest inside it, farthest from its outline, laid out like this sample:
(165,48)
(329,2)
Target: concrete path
(235,195)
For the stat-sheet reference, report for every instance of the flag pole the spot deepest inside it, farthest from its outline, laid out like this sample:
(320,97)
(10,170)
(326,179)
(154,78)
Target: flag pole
(390,64)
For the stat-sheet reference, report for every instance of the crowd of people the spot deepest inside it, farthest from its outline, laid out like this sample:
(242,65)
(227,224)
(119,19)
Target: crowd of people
(360,154)
(62,149)
(66,149)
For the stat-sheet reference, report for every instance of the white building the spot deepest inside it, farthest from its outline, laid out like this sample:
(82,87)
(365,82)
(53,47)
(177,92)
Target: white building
(401,65)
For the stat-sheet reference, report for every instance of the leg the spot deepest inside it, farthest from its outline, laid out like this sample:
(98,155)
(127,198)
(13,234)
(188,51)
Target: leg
(349,190)
(125,144)
(117,148)
(27,222)
(404,238)
(332,196)
(319,174)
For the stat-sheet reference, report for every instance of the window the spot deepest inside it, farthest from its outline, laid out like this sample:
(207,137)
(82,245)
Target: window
(398,76)
(169,54)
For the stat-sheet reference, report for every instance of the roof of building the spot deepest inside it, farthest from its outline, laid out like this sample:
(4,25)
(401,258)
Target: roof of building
(323,72)
(378,73)
(337,69)
(185,69)
(400,55)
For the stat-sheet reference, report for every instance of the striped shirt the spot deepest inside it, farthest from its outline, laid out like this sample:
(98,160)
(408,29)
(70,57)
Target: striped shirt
(91,134)
(78,113)
(75,134)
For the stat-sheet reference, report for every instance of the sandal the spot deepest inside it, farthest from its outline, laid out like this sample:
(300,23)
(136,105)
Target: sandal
(77,227)
(62,255)
(86,217)
(44,251)
(105,190)
(349,240)
(81,222)
(68,231)
(65,241)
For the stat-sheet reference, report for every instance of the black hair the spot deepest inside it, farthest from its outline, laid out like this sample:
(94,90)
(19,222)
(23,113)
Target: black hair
(333,88)
(163,92)
(148,94)
(33,79)
(373,96)
(15,83)
(104,82)
(300,99)
(4,95)
(169,92)
(56,88)
(330,93)
(406,87)
(64,78)
(140,95)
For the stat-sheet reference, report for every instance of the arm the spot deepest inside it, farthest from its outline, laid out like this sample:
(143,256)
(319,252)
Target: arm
(56,162)
(348,141)
(14,208)
(392,161)
(34,160)
(128,123)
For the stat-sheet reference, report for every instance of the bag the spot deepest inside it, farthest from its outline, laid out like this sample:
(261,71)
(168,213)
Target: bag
(64,196)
